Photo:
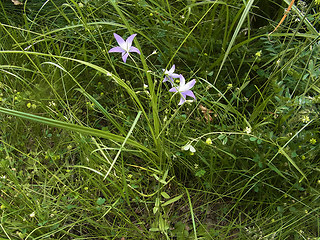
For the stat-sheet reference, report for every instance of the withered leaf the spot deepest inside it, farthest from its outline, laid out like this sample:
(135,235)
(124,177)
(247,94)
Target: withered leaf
(16,2)
(206,113)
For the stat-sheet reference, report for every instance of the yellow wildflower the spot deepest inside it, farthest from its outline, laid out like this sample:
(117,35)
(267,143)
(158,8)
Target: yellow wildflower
(306,119)
(209,141)
(313,141)
(259,53)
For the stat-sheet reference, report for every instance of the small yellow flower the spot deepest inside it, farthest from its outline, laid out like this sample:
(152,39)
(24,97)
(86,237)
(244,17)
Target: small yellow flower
(29,105)
(209,141)
(2,206)
(151,14)
(305,119)
(313,141)
(303,157)
(229,86)
(259,53)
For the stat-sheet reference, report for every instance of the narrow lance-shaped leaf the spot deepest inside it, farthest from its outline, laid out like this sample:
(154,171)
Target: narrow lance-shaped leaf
(75,127)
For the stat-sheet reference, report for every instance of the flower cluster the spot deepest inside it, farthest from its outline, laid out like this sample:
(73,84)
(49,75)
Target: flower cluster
(125,48)
(183,88)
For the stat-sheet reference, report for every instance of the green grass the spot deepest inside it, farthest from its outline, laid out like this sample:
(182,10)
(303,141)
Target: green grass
(88,151)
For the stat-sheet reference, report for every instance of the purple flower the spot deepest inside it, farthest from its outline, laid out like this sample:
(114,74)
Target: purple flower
(184,89)
(170,75)
(124,46)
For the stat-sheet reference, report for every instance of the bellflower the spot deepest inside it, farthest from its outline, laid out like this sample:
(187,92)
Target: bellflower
(125,47)
(184,89)
(170,75)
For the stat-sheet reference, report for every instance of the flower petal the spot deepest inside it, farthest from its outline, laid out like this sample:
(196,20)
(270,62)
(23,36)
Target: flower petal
(129,41)
(168,78)
(116,49)
(182,81)
(186,147)
(125,56)
(174,89)
(175,75)
(189,93)
(120,41)
(172,69)
(182,100)
(134,49)
(190,84)
(192,149)
(165,79)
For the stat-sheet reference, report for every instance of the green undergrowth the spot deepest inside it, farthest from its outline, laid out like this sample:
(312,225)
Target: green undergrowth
(95,148)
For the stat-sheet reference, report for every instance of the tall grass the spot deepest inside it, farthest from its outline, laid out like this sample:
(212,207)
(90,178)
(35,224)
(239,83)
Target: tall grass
(94,148)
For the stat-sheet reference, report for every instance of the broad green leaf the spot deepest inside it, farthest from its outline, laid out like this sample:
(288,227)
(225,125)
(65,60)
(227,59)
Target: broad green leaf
(100,201)
(252,139)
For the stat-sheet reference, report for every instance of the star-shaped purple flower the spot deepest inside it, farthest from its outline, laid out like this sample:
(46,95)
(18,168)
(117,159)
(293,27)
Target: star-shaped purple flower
(125,47)
(170,75)
(184,89)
